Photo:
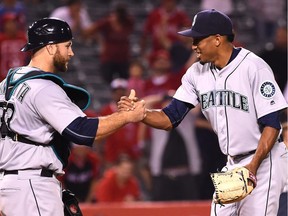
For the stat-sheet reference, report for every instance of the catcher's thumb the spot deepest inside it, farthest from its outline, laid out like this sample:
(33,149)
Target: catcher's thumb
(132,94)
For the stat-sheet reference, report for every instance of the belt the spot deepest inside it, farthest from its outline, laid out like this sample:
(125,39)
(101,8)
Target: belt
(240,156)
(44,172)
(19,138)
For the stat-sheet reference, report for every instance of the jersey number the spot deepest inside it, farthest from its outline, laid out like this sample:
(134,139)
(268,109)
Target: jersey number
(6,112)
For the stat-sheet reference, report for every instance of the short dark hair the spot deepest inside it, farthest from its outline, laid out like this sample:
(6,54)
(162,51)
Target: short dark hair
(71,2)
(231,37)
(122,14)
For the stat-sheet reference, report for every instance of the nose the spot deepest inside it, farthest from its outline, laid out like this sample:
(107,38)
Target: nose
(71,53)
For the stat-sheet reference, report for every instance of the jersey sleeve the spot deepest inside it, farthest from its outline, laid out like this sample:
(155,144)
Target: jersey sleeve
(53,105)
(267,95)
(186,92)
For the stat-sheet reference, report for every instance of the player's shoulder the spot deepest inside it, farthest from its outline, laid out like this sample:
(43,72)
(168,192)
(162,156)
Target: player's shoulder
(252,59)
(41,83)
(197,71)
(198,68)
(36,81)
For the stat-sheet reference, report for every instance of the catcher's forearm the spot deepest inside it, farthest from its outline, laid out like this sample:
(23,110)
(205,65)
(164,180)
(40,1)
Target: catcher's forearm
(109,124)
(266,143)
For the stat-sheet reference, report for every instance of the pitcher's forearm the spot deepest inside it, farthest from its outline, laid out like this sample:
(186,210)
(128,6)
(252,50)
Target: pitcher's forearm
(266,143)
(158,119)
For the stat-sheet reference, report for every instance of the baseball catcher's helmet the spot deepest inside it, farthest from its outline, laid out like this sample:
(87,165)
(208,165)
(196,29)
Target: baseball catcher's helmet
(47,31)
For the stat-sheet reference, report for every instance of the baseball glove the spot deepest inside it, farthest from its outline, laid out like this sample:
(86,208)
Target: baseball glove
(232,186)
(71,207)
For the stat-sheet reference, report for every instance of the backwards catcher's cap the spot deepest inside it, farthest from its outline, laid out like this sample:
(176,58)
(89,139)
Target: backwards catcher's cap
(47,31)
(209,22)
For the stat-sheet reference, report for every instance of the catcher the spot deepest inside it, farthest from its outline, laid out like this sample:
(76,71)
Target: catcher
(40,114)
(239,96)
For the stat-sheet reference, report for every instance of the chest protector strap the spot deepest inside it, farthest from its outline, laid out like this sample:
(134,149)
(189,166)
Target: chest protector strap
(78,95)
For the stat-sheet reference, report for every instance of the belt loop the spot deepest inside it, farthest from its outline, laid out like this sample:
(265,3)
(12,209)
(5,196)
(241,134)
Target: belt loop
(46,173)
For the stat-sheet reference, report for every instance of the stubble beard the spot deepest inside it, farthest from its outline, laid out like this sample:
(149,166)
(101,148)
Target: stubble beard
(60,63)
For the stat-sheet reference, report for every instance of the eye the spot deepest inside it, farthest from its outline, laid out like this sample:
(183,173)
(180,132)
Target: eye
(68,45)
(196,41)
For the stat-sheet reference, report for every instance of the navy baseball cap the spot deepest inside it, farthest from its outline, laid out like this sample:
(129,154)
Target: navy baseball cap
(209,22)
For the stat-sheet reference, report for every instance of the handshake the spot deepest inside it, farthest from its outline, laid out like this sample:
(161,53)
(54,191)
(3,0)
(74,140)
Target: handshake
(134,108)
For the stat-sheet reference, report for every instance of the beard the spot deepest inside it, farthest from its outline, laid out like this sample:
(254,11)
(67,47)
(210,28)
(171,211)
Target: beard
(59,62)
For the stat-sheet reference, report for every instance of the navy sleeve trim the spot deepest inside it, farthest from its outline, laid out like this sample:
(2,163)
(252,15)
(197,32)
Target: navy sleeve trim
(271,119)
(82,131)
(176,111)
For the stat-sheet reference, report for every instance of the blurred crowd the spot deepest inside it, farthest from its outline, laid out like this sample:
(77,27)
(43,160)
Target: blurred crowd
(137,162)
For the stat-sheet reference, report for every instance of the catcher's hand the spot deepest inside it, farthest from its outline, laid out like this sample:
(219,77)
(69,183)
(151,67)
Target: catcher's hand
(233,186)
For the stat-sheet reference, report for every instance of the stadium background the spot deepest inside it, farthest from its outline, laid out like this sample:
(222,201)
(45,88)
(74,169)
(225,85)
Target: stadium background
(83,72)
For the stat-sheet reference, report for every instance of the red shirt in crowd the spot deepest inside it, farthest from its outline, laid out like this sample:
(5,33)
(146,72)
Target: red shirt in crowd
(123,141)
(108,190)
(116,43)
(168,82)
(82,171)
(174,21)
(10,54)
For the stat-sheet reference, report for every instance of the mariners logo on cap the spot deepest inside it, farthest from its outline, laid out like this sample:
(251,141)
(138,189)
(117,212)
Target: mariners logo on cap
(267,89)
(194,20)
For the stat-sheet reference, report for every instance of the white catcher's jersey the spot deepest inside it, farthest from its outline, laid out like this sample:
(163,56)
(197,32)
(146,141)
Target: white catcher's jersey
(38,108)
(233,98)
